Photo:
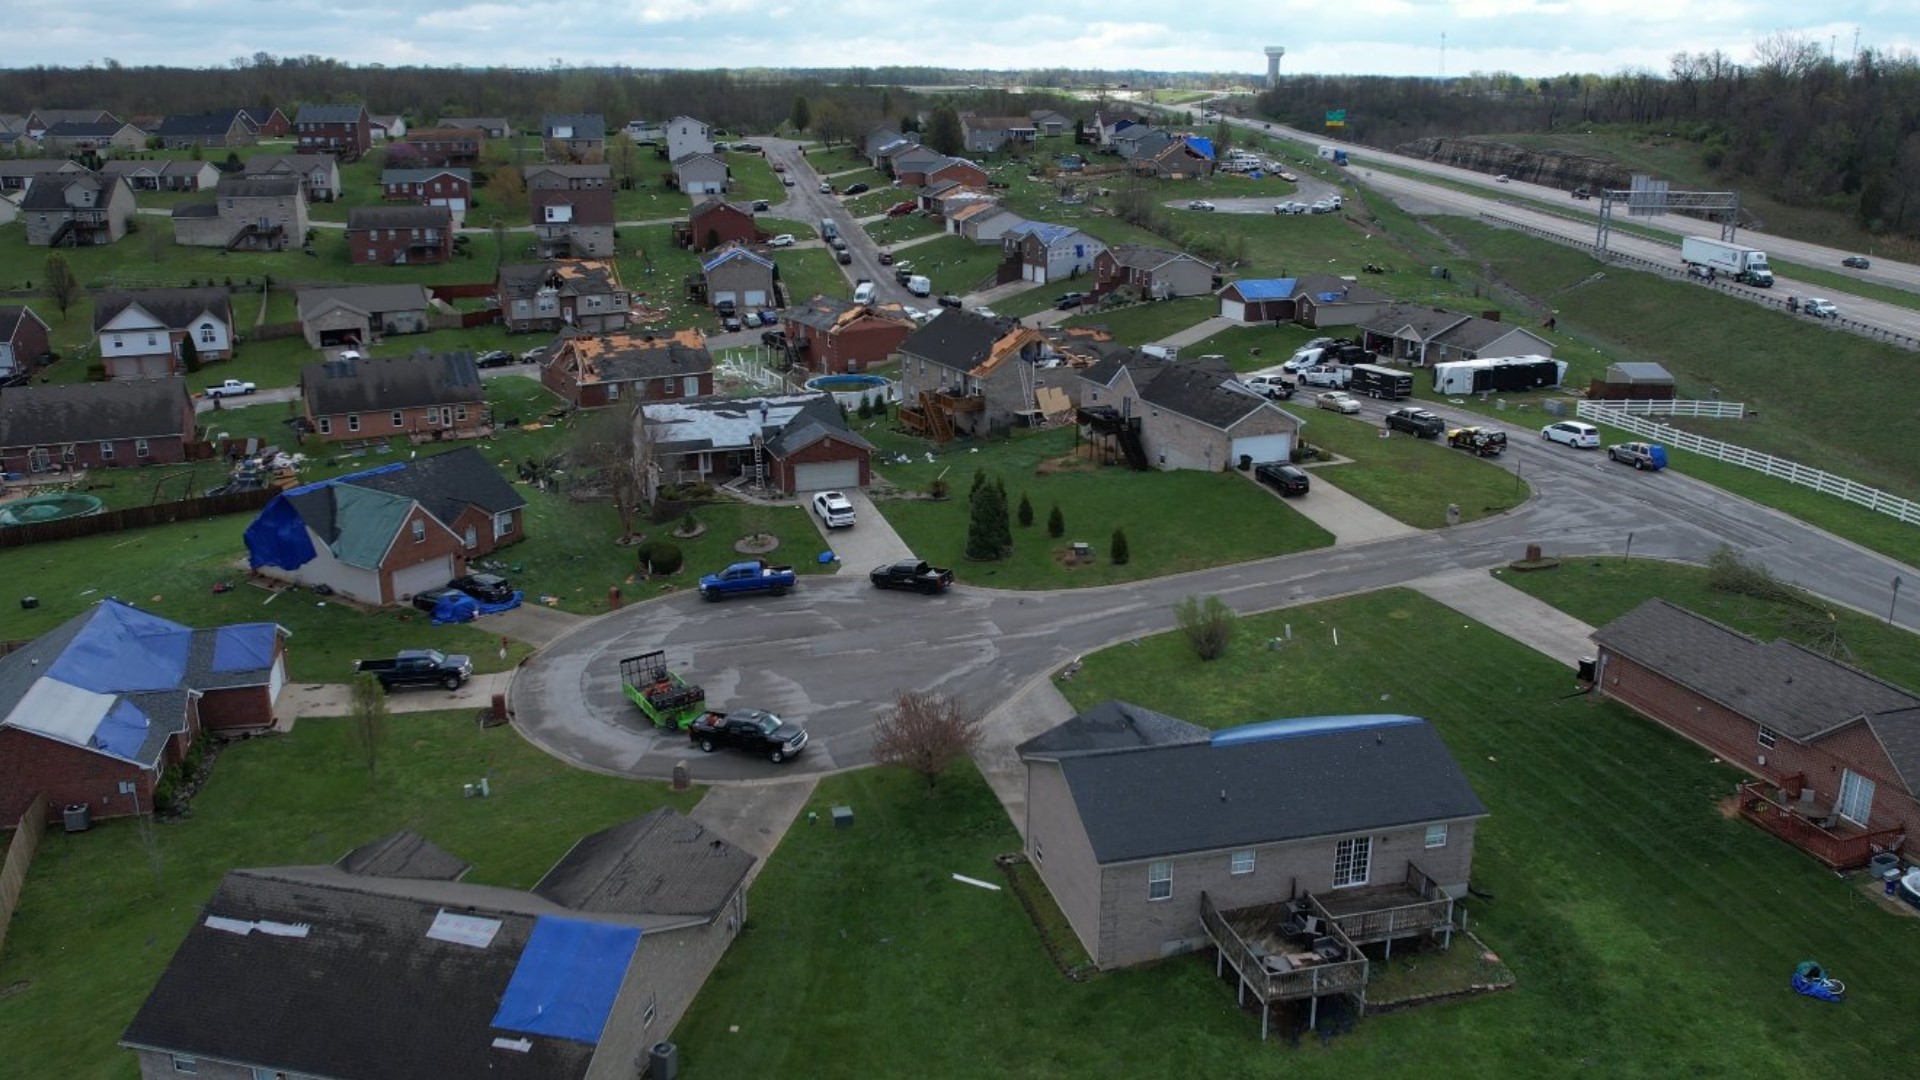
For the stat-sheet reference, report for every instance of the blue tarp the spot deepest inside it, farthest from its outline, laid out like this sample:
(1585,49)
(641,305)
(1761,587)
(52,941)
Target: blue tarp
(1264,288)
(123,731)
(124,650)
(455,608)
(567,978)
(244,647)
(1293,728)
(278,537)
(1201,146)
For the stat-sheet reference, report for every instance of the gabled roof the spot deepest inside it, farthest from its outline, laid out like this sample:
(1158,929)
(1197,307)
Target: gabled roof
(446,484)
(1331,289)
(1423,322)
(399,217)
(722,423)
(960,340)
(830,314)
(50,192)
(301,164)
(1109,727)
(484,122)
(714,203)
(1142,257)
(51,117)
(1263,289)
(1209,396)
(404,854)
(368,300)
(122,167)
(94,412)
(697,158)
(73,129)
(658,864)
(591,206)
(409,382)
(734,253)
(638,355)
(357,524)
(1048,235)
(584,125)
(258,186)
(175,309)
(1478,333)
(818,419)
(1267,784)
(39,167)
(421,176)
(11,316)
(330,114)
(569,277)
(218,122)
(591,171)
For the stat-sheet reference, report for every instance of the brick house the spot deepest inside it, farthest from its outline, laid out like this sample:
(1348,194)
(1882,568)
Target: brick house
(574,136)
(837,337)
(1042,253)
(714,223)
(93,138)
(76,209)
(345,131)
(141,334)
(966,374)
(593,370)
(1418,335)
(1151,273)
(25,340)
(450,188)
(1328,300)
(464,492)
(701,174)
(739,276)
(163,175)
(1837,751)
(410,971)
(129,422)
(494,127)
(568,177)
(583,294)
(269,122)
(425,396)
(1141,825)
(399,235)
(572,223)
(805,444)
(909,164)
(247,213)
(1257,300)
(221,130)
(440,147)
(114,697)
(357,315)
(955,170)
(319,174)
(1185,415)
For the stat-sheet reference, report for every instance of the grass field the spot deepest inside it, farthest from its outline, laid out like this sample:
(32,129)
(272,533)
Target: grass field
(1141,324)
(905,227)
(811,272)
(954,263)
(102,913)
(1408,479)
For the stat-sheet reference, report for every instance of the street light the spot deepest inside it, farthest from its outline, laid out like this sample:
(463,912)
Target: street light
(1895,602)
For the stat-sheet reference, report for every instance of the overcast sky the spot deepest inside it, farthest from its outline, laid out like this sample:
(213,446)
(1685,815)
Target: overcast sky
(1389,37)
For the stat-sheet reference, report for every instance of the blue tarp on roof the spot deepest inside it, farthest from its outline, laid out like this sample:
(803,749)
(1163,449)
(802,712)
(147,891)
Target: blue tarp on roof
(1330,297)
(1049,234)
(278,537)
(123,731)
(1201,146)
(567,978)
(1265,288)
(244,647)
(124,650)
(1298,726)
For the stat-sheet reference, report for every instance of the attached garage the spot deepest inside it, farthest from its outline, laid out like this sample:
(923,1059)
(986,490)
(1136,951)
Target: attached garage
(756,298)
(1275,447)
(1233,309)
(726,296)
(826,476)
(1258,300)
(421,577)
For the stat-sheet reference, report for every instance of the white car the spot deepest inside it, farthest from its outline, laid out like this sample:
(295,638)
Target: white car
(1328,375)
(1321,207)
(1199,204)
(1290,208)
(1339,401)
(1501,179)
(1821,309)
(783,240)
(834,508)
(1269,386)
(1573,433)
(985,313)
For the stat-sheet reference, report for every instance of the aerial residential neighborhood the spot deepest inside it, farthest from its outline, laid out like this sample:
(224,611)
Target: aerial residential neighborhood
(587,568)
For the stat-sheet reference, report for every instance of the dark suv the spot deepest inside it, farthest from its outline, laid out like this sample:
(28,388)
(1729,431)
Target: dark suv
(1282,477)
(487,588)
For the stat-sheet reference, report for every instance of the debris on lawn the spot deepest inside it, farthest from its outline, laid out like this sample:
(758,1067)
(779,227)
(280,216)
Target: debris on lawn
(965,880)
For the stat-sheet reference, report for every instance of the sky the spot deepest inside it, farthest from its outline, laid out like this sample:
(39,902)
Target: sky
(1374,37)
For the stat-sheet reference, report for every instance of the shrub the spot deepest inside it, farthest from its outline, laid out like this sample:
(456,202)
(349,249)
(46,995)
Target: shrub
(1208,624)
(660,557)
(1026,511)
(97,371)
(1056,523)
(1117,550)
(937,488)
(665,510)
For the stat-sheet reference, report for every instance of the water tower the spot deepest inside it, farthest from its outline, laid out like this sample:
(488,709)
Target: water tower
(1274,53)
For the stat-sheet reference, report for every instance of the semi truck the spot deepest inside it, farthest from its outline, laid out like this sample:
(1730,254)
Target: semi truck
(1743,264)
(1333,154)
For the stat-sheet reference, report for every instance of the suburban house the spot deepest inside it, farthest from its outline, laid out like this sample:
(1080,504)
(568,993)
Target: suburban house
(95,711)
(380,536)
(398,235)
(38,122)
(1048,122)
(1188,157)
(1151,273)
(1164,414)
(247,213)
(1313,300)
(451,188)
(387,964)
(95,425)
(1418,336)
(574,136)
(495,127)
(423,396)
(570,177)
(1105,127)
(345,131)
(837,337)
(1834,750)
(25,340)
(143,334)
(17,143)
(592,370)
(1275,844)
(387,128)
(1258,300)
(985,134)
(701,174)
(93,138)
(967,374)
(876,144)
(1140,142)
(644,132)
(716,222)
(19,174)
(319,174)
(572,223)
(739,276)
(73,209)
(163,175)
(1042,253)
(954,170)
(269,122)
(583,294)
(358,315)
(986,222)
(948,196)
(440,147)
(909,163)
(221,130)
(685,135)
(803,443)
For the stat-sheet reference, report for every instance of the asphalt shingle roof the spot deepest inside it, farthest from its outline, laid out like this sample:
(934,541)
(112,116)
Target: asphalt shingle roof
(957,339)
(399,217)
(659,864)
(1109,727)
(259,187)
(405,382)
(445,484)
(418,176)
(176,309)
(330,114)
(93,412)
(816,420)
(404,854)
(208,123)
(584,125)
(371,299)
(1202,394)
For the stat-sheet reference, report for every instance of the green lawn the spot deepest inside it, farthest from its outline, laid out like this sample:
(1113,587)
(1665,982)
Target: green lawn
(102,912)
(1242,521)
(753,179)
(1250,348)
(840,159)
(878,201)
(811,272)
(905,227)
(955,264)
(1411,480)
(1140,324)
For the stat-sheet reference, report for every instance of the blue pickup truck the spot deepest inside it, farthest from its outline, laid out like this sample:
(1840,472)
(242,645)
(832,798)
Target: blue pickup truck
(747,577)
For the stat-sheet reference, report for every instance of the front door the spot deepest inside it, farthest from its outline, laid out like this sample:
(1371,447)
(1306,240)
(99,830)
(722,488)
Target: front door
(1856,798)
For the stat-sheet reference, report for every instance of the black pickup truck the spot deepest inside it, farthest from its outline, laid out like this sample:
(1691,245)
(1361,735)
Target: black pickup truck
(418,667)
(912,574)
(1418,422)
(756,731)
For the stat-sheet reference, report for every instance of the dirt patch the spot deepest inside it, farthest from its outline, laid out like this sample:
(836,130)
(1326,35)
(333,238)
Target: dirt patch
(757,545)
(1729,807)
(1078,461)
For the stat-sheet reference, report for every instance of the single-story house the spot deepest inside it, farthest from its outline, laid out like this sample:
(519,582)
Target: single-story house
(1048,122)
(739,275)
(387,128)
(986,222)
(880,139)
(1042,253)
(1257,300)
(1836,750)
(985,134)
(357,314)
(701,174)
(25,340)
(1153,273)
(1184,414)
(805,443)
(496,127)
(1188,157)
(19,174)
(909,164)
(163,175)
(1417,335)
(835,337)
(387,964)
(143,334)
(95,711)
(96,138)
(715,222)
(954,170)
(95,425)
(572,222)
(964,373)
(423,396)
(583,294)
(592,370)
(399,235)
(220,129)
(1326,300)
(575,177)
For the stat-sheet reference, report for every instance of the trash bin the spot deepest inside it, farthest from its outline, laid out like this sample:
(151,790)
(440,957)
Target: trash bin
(1880,864)
(28,603)
(1246,462)
(663,1061)
(77,817)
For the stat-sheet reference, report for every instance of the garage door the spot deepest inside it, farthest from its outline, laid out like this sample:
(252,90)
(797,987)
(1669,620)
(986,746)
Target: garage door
(432,574)
(756,298)
(826,475)
(277,679)
(1263,448)
(725,295)
(1233,309)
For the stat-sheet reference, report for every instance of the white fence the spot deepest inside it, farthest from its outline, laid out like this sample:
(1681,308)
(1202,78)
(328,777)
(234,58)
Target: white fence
(1604,412)
(1712,410)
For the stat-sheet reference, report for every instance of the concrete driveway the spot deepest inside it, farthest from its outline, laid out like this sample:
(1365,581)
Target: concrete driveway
(870,542)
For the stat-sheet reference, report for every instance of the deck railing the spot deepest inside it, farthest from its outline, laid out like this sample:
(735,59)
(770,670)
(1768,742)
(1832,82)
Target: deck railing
(1839,851)
(1337,977)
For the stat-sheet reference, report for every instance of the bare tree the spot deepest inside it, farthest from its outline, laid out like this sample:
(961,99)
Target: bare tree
(61,286)
(926,732)
(369,718)
(614,450)
(1208,624)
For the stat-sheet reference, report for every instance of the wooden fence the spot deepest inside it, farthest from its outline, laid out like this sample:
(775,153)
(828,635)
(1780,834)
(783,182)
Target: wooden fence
(13,873)
(136,517)
(1604,412)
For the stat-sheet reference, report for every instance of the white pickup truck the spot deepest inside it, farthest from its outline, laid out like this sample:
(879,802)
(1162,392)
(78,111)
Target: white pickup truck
(230,388)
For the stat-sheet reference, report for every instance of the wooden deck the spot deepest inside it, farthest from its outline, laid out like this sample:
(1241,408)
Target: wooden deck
(1813,828)
(1411,908)
(1275,968)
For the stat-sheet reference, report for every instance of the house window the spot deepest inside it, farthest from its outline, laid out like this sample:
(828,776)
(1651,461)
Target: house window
(1039,853)
(372,254)
(460,413)
(613,391)
(106,451)
(140,448)
(1159,880)
(472,538)
(399,418)
(206,334)
(152,339)
(353,421)
(186,1066)
(1437,835)
(653,1006)
(1242,862)
(502,524)
(1856,797)
(1768,736)
(419,531)
(325,425)
(1351,861)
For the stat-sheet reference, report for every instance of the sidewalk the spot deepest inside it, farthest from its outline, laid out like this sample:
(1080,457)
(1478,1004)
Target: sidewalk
(1498,605)
(1199,331)
(1036,708)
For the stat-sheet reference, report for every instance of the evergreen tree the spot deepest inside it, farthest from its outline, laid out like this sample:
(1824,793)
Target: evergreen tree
(190,356)
(983,535)
(1056,523)
(1002,522)
(1117,550)
(1026,511)
(943,133)
(802,116)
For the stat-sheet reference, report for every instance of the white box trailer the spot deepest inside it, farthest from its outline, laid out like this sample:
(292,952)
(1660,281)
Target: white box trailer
(1498,373)
(1741,263)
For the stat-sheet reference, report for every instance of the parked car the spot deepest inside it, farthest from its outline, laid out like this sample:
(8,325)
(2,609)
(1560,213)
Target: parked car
(762,204)
(1339,401)
(1199,204)
(838,243)
(417,667)
(1582,193)
(786,181)
(753,730)
(1640,455)
(826,187)
(1573,433)
(1820,309)
(534,355)
(1287,176)
(886,258)
(985,313)
(1417,422)
(1272,387)
(844,257)
(1282,477)
(773,339)
(912,574)
(834,508)
(751,148)
(1501,179)
(783,240)
(856,189)
(1069,301)
(779,167)
(1326,375)
(230,388)
(754,575)
(430,600)
(1485,442)
(494,358)
(1290,208)
(902,209)
(950,300)
(490,588)
(1321,206)
(1857,262)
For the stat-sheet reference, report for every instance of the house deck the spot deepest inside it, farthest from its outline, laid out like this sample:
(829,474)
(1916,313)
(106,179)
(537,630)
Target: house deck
(1815,829)
(1410,908)
(1275,966)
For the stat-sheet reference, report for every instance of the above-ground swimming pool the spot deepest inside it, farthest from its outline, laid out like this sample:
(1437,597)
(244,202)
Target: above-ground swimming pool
(48,508)
(848,390)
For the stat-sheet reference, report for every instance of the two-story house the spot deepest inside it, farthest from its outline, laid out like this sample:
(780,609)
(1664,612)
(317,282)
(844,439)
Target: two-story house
(346,131)
(319,174)
(985,134)
(76,209)
(247,213)
(968,374)
(592,370)
(572,223)
(399,235)
(141,334)
(837,337)
(1163,414)
(424,396)
(685,135)
(1042,253)
(581,294)
(739,276)
(574,136)
(451,188)
(714,223)
(701,174)
(25,341)
(441,147)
